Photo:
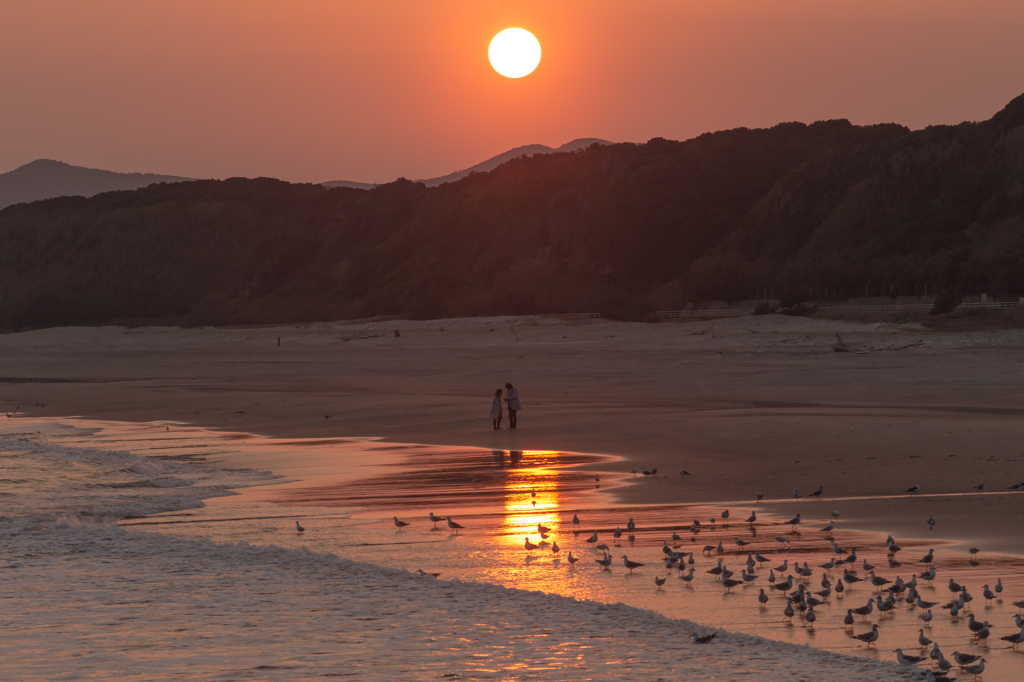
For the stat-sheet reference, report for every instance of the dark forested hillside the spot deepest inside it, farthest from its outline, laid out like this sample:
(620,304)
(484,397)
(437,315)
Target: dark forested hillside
(619,229)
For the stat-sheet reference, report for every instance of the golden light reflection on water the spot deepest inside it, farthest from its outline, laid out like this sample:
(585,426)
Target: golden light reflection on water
(531,495)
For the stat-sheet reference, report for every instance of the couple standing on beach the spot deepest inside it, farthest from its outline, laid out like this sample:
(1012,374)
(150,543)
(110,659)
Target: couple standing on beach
(512,398)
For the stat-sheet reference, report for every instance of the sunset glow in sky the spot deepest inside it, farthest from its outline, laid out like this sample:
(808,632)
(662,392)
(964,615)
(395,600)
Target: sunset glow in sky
(343,89)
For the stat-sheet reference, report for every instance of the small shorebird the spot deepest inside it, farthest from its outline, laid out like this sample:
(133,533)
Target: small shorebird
(914,489)
(922,640)
(434,519)
(703,639)
(400,524)
(904,659)
(1016,640)
(451,524)
(975,670)
(298,527)
(819,491)
(964,659)
(980,487)
(630,564)
(869,638)
(865,611)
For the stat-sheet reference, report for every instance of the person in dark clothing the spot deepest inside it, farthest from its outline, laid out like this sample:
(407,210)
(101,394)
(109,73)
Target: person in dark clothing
(512,398)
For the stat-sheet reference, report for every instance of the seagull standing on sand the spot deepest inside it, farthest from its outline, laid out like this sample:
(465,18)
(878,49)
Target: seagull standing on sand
(683,472)
(931,523)
(575,520)
(980,487)
(572,559)
(298,527)
(451,524)
(869,638)
(760,496)
(974,669)
(914,489)
(592,539)
(434,519)
(793,522)
(819,491)
(659,581)
(630,564)
(1016,640)
(399,524)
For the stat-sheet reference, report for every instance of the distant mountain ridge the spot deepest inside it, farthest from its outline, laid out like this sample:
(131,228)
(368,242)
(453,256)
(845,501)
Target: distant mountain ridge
(48,179)
(488,165)
(825,211)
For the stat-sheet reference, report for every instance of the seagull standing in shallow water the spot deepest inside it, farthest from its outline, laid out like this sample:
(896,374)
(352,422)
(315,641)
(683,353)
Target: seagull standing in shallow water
(434,519)
(399,524)
(451,524)
(630,564)
(298,527)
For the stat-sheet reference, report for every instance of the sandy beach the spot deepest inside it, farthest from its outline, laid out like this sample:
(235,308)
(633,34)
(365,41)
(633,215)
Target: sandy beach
(746,405)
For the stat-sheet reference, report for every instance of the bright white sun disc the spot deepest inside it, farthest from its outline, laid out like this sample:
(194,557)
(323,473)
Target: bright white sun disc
(514,53)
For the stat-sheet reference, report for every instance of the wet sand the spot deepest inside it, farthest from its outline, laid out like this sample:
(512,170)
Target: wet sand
(345,492)
(747,405)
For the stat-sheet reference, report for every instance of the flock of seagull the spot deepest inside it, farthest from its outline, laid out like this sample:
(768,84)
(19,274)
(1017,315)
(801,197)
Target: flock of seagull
(801,599)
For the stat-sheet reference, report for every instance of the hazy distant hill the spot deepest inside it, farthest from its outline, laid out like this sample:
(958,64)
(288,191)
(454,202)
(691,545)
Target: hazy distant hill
(620,229)
(45,179)
(489,164)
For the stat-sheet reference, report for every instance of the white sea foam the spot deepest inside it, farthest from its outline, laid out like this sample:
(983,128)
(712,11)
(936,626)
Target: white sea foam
(86,599)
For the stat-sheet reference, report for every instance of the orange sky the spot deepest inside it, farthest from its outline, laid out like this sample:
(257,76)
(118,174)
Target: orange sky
(315,90)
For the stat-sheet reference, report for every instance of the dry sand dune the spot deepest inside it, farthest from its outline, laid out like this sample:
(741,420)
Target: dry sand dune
(747,405)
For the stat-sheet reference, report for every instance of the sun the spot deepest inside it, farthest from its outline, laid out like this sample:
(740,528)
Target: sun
(514,53)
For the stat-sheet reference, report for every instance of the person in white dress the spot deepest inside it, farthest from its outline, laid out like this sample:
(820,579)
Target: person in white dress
(496,410)
(512,398)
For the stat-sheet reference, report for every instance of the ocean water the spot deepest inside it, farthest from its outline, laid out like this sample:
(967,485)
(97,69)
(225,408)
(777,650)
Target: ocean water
(159,551)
